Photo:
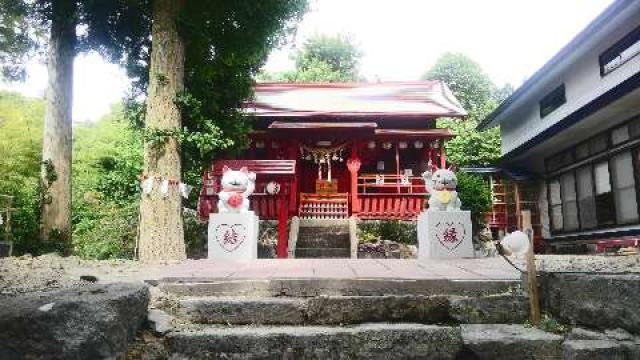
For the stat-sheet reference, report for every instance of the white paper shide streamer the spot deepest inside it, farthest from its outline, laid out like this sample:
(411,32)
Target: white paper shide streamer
(185,190)
(147,186)
(166,185)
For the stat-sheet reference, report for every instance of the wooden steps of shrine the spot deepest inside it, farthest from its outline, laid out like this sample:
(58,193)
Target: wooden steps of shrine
(324,206)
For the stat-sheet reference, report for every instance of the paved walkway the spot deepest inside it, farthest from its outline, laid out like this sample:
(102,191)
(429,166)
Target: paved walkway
(449,269)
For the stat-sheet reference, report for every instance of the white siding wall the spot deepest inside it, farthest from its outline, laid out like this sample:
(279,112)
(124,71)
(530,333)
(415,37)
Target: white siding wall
(583,83)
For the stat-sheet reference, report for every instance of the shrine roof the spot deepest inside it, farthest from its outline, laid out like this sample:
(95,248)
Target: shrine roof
(361,101)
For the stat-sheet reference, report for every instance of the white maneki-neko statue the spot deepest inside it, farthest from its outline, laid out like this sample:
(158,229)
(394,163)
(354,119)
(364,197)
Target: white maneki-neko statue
(441,184)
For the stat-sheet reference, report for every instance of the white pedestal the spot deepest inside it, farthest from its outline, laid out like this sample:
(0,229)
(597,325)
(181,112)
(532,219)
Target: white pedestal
(233,236)
(444,234)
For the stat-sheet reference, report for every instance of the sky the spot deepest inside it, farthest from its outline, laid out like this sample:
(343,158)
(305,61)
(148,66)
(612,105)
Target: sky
(400,39)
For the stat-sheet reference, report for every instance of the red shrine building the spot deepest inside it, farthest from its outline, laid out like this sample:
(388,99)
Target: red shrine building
(331,151)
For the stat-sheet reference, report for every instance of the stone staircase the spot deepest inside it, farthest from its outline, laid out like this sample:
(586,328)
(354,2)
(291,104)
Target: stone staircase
(323,238)
(352,319)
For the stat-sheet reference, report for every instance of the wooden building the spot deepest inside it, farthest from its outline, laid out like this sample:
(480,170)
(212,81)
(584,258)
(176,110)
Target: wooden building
(575,124)
(337,150)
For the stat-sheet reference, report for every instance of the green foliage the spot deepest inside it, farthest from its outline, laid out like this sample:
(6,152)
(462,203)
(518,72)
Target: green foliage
(323,58)
(551,325)
(107,164)
(475,195)
(228,42)
(21,122)
(479,96)
(404,232)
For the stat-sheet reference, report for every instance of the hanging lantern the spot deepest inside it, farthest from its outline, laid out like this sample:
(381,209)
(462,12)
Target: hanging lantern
(259,144)
(418,144)
(371,145)
(402,145)
(387,145)
(272,188)
(435,145)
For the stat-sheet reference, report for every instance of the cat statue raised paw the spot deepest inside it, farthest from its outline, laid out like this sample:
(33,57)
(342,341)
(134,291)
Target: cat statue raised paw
(441,184)
(237,185)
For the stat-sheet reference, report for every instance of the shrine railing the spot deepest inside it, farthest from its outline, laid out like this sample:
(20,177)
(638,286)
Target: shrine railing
(387,183)
(264,205)
(391,206)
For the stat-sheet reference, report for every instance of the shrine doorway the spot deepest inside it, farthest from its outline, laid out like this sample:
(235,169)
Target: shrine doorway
(324,185)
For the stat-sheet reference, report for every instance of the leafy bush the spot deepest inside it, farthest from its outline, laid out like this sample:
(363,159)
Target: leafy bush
(475,195)
(21,122)
(107,164)
(404,232)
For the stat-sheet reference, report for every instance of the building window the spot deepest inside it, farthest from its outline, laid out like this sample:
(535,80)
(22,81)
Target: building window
(555,202)
(552,101)
(620,53)
(605,208)
(569,202)
(624,188)
(586,198)
(595,184)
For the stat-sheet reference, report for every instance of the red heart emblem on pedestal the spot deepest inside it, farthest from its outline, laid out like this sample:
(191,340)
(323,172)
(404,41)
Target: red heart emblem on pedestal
(450,234)
(230,237)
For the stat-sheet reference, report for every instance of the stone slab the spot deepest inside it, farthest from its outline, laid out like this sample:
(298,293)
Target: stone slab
(444,234)
(92,322)
(508,308)
(510,342)
(367,341)
(594,350)
(600,301)
(233,236)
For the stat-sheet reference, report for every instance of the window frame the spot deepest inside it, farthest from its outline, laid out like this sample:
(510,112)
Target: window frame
(631,145)
(614,51)
(552,101)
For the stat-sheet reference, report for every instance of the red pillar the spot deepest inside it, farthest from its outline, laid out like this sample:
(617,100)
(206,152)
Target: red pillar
(283,217)
(443,157)
(353,164)
(293,186)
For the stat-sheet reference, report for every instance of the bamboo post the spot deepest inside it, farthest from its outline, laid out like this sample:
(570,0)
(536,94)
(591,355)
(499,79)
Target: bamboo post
(532,274)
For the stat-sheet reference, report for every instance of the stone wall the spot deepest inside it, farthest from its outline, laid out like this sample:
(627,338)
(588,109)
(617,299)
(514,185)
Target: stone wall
(601,301)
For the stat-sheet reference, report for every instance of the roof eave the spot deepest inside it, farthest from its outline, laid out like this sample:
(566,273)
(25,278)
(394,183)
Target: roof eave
(493,119)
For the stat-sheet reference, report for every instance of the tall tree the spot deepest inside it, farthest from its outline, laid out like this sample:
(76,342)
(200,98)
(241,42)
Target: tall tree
(56,146)
(228,41)
(323,58)
(479,96)
(161,225)
(29,28)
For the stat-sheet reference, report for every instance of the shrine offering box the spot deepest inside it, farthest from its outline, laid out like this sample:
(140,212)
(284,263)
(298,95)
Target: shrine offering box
(444,234)
(326,186)
(233,236)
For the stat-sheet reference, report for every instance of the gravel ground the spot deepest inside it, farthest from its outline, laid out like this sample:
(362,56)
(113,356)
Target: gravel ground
(25,274)
(48,272)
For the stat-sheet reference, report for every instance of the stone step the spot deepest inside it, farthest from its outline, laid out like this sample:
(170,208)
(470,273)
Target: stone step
(366,341)
(513,342)
(322,253)
(323,241)
(292,287)
(324,310)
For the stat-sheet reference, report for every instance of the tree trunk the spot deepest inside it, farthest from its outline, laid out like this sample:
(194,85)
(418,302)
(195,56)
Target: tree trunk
(56,147)
(161,224)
